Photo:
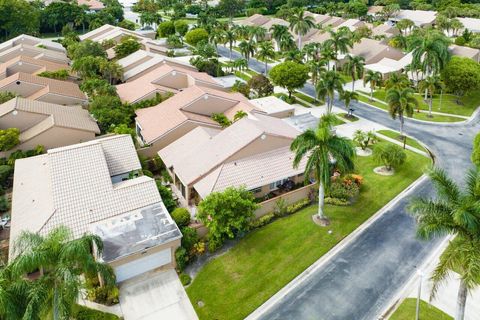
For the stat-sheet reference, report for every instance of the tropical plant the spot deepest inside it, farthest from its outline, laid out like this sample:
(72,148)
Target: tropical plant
(348,97)
(317,69)
(396,80)
(454,211)
(401,102)
(300,24)
(230,36)
(257,32)
(390,155)
(431,53)
(374,79)
(265,52)
(278,32)
(326,86)
(323,150)
(404,25)
(340,42)
(289,75)
(430,84)
(354,66)
(364,139)
(247,49)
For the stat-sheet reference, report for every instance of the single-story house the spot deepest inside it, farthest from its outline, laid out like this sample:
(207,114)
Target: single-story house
(25,45)
(29,65)
(141,62)
(254,20)
(318,18)
(93,5)
(374,10)
(351,24)
(472,24)
(253,152)
(420,18)
(385,30)
(465,52)
(47,124)
(163,79)
(43,89)
(373,51)
(387,65)
(109,32)
(334,22)
(96,187)
(273,107)
(159,126)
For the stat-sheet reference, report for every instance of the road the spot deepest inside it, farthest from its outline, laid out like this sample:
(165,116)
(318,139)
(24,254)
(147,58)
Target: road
(361,279)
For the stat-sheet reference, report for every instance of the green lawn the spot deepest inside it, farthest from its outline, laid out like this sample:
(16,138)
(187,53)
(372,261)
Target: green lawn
(396,135)
(467,105)
(242,75)
(349,118)
(416,115)
(406,311)
(346,77)
(268,258)
(308,99)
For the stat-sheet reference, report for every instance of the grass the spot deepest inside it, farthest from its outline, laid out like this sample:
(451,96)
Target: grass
(417,115)
(84,313)
(406,311)
(396,135)
(270,257)
(346,77)
(242,75)
(350,118)
(306,98)
(467,106)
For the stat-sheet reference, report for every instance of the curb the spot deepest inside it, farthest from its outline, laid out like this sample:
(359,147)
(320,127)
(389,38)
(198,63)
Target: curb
(267,305)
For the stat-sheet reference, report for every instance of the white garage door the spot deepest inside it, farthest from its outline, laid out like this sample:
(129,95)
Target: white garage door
(142,265)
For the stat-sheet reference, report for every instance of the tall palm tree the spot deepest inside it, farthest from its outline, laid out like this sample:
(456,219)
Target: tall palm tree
(230,36)
(348,97)
(397,80)
(264,52)
(215,38)
(301,24)
(456,25)
(278,32)
(454,211)
(431,53)
(374,79)
(327,54)
(401,102)
(355,66)
(326,86)
(321,146)
(340,42)
(111,70)
(247,48)
(257,32)
(317,68)
(61,262)
(241,31)
(430,84)
(286,42)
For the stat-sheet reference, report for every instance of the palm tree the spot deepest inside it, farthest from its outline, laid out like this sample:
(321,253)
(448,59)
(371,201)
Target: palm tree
(453,212)
(340,42)
(111,70)
(397,80)
(355,67)
(347,97)
(215,38)
(431,53)
(286,42)
(317,68)
(247,48)
(322,147)
(230,36)
(327,54)
(401,102)
(258,33)
(278,32)
(404,25)
(430,85)
(326,87)
(265,51)
(301,24)
(61,262)
(241,31)
(374,79)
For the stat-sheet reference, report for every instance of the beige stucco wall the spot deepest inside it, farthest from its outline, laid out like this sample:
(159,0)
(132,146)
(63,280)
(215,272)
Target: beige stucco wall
(290,198)
(22,121)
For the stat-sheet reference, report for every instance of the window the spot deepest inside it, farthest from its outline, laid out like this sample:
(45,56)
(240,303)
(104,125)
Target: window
(256,190)
(276,184)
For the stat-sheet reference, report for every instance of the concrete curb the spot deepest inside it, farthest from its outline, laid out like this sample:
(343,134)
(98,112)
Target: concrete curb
(332,252)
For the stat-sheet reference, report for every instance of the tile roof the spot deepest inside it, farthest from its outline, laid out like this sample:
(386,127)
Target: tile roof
(419,17)
(369,48)
(472,24)
(465,52)
(32,41)
(164,117)
(212,152)
(271,105)
(73,186)
(384,30)
(41,65)
(9,52)
(92,4)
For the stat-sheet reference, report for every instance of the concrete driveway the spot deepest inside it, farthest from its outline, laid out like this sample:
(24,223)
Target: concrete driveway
(153,296)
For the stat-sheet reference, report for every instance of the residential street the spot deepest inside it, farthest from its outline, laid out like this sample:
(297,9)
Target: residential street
(360,281)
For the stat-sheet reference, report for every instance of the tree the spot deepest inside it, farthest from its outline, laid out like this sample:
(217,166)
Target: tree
(6,96)
(326,86)
(166,28)
(430,84)
(86,48)
(127,24)
(88,67)
(390,155)
(62,261)
(127,46)
(317,69)
(454,211)
(167,196)
(231,7)
(194,36)
(9,138)
(247,49)
(430,52)
(323,150)
(265,52)
(226,213)
(364,139)
(181,27)
(230,36)
(354,66)
(18,17)
(111,71)
(475,157)
(340,42)
(348,97)
(257,33)
(97,87)
(278,32)
(261,85)
(300,24)
(404,25)
(401,102)
(397,81)
(374,79)
(461,76)
(109,111)
(289,75)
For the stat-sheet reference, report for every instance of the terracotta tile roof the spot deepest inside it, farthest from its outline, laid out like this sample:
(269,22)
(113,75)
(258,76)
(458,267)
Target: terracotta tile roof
(92,4)
(42,65)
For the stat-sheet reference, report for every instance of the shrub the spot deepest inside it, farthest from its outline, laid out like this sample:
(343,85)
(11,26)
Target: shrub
(336,201)
(343,190)
(181,27)
(221,119)
(84,313)
(199,248)
(460,41)
(127,24)
(9,138)
(196,35)
(181,257)
(364,139)
(6,96)
(298,206)
(189,239)
(167,197)
(173,41)
(5,173)
(127,45)
(107,295)
(166,28)
(280,208)
(390,155)
(185,279)
(215,243)
(181,216)
(59,74)
(261,85)
(242,88)
(263,220)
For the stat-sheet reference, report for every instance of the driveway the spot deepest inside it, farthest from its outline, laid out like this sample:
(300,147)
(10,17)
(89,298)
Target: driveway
(154,296)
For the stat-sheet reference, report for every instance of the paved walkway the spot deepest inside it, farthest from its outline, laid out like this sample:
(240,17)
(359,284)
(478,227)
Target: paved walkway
(361,280)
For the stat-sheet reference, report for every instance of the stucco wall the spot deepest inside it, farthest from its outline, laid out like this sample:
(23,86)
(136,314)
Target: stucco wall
(290,198)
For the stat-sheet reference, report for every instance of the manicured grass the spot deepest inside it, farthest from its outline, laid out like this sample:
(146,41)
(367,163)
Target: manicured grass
(467,105)
(346,77)
(84,313)
(308,99)
(349,118)
(407,310)
(396,135)
(242,75)
(236,283)
(416,115)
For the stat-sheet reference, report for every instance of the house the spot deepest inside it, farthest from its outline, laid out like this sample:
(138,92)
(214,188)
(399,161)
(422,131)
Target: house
(471,24)
(385,30)
(318,18)
(273,107)
(420,18)
(253,152)
(373,51)
(351,24)
(96,187)
(465,52)
(375,10)
(163,79)
(43,89)
(163,124)
(334,22)
(254,20)
(141,62)
(46,124)
(386,65)
(29,65)
(93,5)
(25,45)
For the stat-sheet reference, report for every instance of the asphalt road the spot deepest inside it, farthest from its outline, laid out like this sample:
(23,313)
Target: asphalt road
(361,279)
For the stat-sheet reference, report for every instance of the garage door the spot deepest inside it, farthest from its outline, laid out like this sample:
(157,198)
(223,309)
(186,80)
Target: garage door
(142,265)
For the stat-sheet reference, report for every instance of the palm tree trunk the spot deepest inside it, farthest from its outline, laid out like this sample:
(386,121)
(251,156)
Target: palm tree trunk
(55,303)
(461,301)
(266,66)
(400,117)
(321,200)
(299,41)
(353,84)
(371,92)
(426,94)
(430,106)
(230,52)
